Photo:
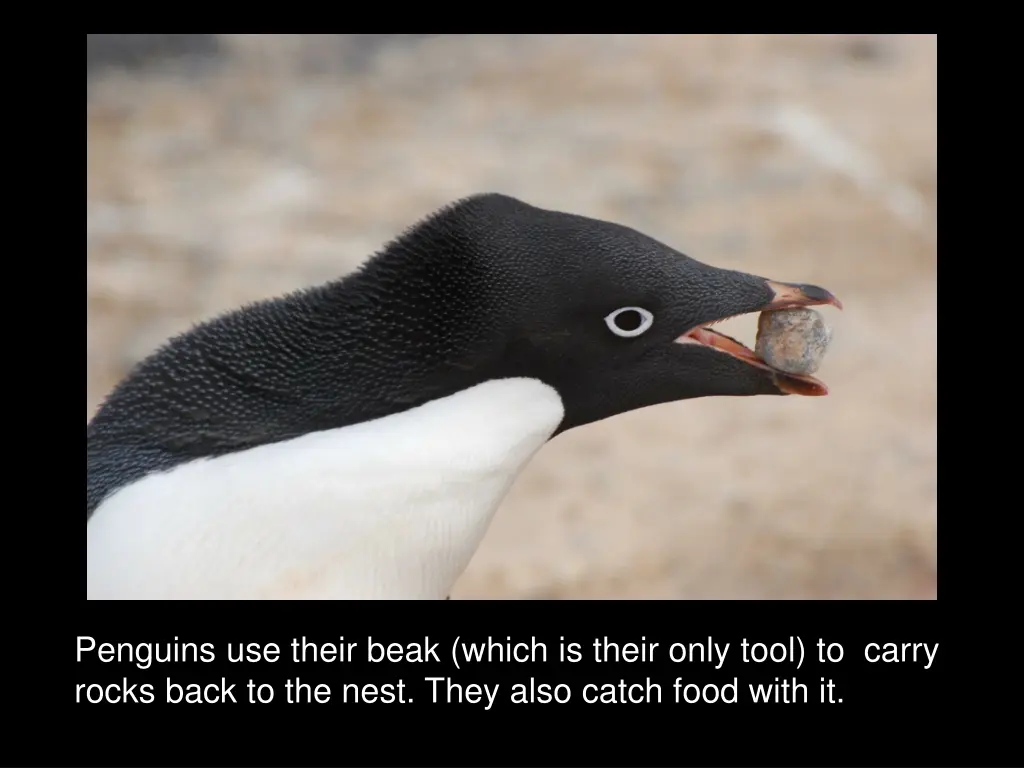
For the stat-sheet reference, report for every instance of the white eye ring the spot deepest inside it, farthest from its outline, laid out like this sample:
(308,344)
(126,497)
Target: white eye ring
(647,322)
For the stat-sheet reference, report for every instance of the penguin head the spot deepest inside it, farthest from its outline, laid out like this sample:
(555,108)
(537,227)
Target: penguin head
(611,318)
(487,288)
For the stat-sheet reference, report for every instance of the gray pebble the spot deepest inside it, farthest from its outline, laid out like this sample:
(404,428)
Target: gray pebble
(792,340)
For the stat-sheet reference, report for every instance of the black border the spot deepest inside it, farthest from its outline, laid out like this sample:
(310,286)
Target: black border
(950,715)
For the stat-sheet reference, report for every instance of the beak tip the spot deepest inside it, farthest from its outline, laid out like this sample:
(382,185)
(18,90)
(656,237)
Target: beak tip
(802,387)
(816,293)
(801,294)
(836,302)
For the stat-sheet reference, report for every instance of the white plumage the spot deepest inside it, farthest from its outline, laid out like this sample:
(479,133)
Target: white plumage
(386,509)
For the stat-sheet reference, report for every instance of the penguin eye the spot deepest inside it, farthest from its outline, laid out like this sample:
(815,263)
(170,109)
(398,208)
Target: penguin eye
(629,321)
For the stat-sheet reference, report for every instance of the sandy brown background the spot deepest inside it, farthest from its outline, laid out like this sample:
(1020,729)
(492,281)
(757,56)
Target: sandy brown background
(285,160)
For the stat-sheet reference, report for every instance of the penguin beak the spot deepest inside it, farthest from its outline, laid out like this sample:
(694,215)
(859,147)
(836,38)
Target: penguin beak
(793,295)
(784,296)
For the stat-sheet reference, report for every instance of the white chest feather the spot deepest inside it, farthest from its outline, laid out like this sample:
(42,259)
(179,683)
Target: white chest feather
(387,509)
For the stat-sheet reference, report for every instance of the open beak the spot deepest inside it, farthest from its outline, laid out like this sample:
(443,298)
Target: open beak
(784,296)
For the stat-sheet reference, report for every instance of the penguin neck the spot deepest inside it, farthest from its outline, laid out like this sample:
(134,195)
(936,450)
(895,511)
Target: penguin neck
(400,332)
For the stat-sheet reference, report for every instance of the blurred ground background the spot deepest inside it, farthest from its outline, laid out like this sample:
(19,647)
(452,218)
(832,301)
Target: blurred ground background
(227,168)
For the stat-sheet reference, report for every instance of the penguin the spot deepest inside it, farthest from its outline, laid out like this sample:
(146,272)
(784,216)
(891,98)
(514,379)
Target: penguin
(353,440)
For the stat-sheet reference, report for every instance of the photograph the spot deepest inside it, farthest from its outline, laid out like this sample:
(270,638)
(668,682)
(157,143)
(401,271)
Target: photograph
(511,317)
